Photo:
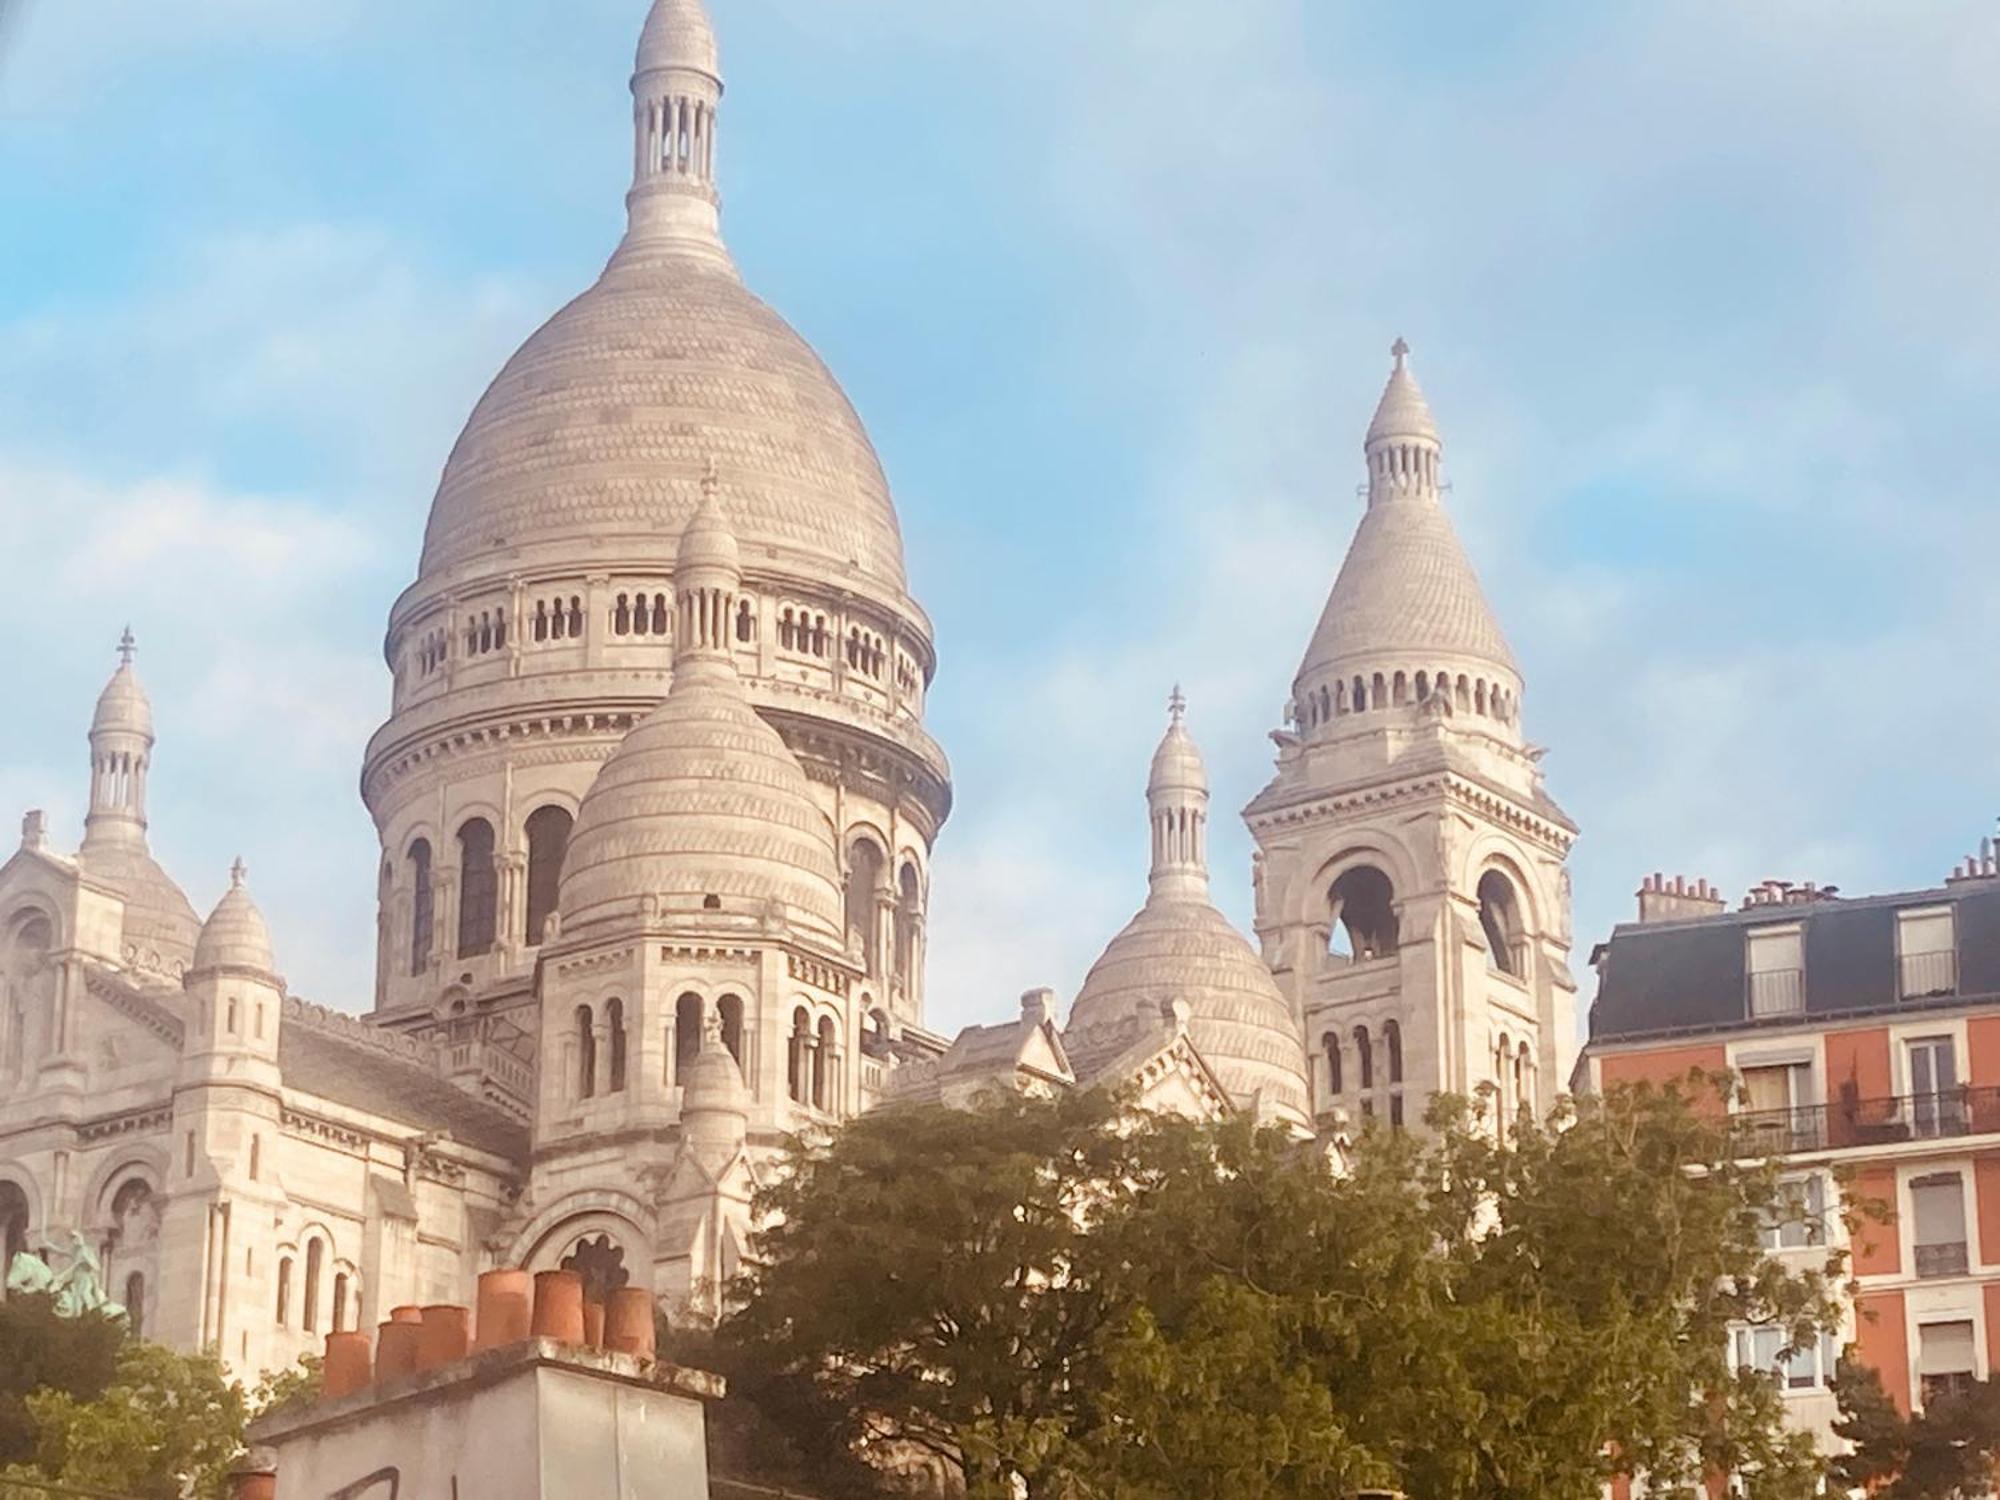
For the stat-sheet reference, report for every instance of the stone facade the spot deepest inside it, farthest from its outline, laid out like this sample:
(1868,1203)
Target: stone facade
(657,805)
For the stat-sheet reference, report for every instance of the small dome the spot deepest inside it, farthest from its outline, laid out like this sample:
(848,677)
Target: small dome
(679,34)
(161,926)
(235,937)
(1177,764)
(708,542)
(123,707)
(1186,950)
(1403,412)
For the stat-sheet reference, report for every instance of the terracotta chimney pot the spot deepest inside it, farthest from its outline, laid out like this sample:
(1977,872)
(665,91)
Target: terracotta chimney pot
(559,1307)
(396,1351)
(254,1485)
(593,1324)
(349,1365)
(506,1309)
(406,1315)
(628,1323)
(446,1336)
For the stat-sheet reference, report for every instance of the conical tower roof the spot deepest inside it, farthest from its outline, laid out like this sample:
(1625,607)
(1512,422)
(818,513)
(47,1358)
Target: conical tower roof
(1407,596)
(235,936)
(679,34)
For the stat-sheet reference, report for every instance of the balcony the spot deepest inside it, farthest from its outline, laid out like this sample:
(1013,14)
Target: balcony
(1941,1260)
(1777,992)
(1851,1122)
(1926,975)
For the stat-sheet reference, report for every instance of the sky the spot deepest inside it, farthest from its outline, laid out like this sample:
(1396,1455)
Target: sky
(1702,294)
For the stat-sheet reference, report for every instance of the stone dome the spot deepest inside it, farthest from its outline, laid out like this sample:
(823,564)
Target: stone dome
(702,799)
(1187,950)
(599,430)
(235,937)
(679,34)
(161,927)
(123,707)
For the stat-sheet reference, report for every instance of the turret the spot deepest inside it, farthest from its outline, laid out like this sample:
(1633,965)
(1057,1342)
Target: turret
(121,755)
(676,97)
(234,992)
(1177,800)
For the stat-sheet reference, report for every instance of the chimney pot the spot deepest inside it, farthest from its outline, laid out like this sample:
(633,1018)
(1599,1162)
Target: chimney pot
(446,1336)
(349,1365)
(559,1307)
(506,1308)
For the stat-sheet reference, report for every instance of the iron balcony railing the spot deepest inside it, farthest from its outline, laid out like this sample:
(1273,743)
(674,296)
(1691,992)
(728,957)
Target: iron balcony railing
(1777,992)
(1925,975)
(1941,1260)
(1852,1121)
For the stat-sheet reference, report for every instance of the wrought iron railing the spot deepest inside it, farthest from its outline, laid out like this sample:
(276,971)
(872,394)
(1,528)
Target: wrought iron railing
(1927,974)
(1777,992)
(1941,1260)
(1847,1122)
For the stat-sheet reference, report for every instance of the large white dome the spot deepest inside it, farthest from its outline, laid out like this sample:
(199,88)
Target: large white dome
(598,432)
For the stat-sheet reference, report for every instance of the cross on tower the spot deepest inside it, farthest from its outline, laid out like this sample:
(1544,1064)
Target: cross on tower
(1177,705)
(127,647)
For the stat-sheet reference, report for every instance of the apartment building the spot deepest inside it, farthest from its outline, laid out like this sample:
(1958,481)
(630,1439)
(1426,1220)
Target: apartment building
(1865,1035)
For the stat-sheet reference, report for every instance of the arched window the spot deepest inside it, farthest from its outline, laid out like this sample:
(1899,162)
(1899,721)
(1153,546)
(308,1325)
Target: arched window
(1360,696)
(479,889)
(1500,919)
(687,1033)
(865,880)
(423,906)
(746,623)
(586,1053)
(13,1224)
(1524,1080)
(1364,915)
(315,1259)
(826,1056)
(730,1009)
(1392,1046)
(340,1302)
(614,1029)
(909,917)
(1364,1057)
(284,1292)
(135,1303)
(799,1066)
(1330,1043)
(548,831)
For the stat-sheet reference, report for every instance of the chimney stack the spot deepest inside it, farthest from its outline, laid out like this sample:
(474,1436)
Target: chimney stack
(1678,899)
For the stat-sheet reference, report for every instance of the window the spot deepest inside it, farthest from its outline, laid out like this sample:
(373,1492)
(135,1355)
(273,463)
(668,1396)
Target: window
(1331,1043)
(1775,958)
(1947,1359)
(423,908)
(866,878)
(548,843)
(1777,1111)
(340,1303)
(1364,1057)
(135,1303)
(1936,1106)
(1926,953)
(1363,915)
(1500,919)
(730,1008)
(479,889)
(1937,1217)
(1798,1219)
(1765,1350)
(315,1256)
(799,1065)
(825,1072)
(614,1025)
(909,922)
(284,1291)
(586,1053)
(687,1033)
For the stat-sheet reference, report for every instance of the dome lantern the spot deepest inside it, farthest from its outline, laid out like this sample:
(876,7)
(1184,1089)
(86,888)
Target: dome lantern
(677,96)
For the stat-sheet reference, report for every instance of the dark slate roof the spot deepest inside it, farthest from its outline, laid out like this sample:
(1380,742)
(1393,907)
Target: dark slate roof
(1664,978)
(349,1062)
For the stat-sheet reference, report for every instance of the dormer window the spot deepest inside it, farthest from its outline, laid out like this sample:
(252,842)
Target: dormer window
(1926,953)
(1775,958)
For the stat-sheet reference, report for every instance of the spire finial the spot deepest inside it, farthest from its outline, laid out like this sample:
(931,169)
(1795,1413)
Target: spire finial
(128,647)
(1177,706)
(1401,351)
(238,873)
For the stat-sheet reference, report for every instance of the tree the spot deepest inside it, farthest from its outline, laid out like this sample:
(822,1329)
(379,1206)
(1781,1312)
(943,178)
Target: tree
(1104,1304)
(40,1351)
(1947,1451)
(169,1425)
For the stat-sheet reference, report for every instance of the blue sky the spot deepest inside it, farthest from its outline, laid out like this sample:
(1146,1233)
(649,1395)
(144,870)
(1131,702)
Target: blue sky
(1702,294)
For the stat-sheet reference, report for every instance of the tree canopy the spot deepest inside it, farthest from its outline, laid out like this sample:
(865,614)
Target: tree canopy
(1092,1302)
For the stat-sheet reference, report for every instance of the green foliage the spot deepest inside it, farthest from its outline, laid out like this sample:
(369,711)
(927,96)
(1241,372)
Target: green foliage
(167,1426)
(284,1390)
(40,1351)
(1948,1451)
(1104,1304)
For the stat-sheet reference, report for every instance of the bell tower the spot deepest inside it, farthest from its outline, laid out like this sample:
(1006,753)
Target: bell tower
(1412,896)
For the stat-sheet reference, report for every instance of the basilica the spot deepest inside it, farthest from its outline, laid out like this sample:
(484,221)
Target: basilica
(657,808)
